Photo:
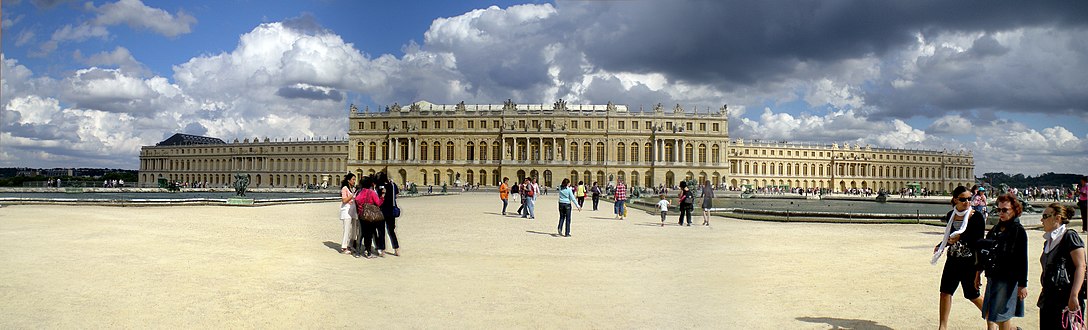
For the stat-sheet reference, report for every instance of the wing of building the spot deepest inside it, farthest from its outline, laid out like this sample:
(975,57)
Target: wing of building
(459,144)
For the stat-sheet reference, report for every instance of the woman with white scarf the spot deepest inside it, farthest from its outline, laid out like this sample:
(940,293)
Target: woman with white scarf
(1062,250)
(963,230)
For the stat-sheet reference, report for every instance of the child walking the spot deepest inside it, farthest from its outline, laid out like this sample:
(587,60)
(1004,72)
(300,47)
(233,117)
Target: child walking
(663,204)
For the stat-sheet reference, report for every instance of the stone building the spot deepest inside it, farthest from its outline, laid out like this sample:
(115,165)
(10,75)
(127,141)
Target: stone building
(479,144)
(283,163)
(455,144)
(845,167)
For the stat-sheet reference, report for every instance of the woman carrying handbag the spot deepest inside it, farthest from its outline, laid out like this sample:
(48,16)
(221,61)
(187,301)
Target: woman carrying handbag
(1061,302)
(368,205)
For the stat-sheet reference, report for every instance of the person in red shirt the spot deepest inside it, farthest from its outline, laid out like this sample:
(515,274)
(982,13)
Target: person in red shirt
(621,199)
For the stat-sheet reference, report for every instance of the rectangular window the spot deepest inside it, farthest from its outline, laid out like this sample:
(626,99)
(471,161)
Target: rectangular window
(620,124)
(668,125)
(361,125)
(496,123)
(483,124)
(574,124)
(702,127)
(373,125)
(471,124)
(547,124)
(385,125)
(437,125)
(449,124)
(649,124)
(715,126)
(600,124)
(425,124)
(634,125)
(521,124)
(404,124)
(536,124)
(689,126)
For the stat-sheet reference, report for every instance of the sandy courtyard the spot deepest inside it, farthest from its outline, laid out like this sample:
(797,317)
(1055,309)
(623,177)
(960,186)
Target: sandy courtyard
(464,265)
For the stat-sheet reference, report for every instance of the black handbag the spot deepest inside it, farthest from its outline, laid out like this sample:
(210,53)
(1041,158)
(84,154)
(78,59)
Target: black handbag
(989,251)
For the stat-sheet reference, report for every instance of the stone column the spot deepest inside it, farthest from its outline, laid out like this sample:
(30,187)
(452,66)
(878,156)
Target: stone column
(676,150)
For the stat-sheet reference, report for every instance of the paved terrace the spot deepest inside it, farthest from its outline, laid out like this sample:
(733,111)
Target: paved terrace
(463,266)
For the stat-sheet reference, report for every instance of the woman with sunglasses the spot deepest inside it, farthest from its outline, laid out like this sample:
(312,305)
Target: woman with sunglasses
(1007,273)
(964,229)
(1063,250)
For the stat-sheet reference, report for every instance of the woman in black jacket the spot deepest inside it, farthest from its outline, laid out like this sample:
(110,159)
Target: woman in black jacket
(390,210)
(964,228)
(1063,250)
(1007,273)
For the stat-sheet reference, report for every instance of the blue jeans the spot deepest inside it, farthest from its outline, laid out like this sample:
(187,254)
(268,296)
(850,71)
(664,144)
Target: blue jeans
(620,207)
(504,206)
(564,217)
(530,207)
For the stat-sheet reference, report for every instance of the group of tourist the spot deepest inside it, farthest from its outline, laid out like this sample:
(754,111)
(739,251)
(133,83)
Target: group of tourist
(369,212)
(573,196)
(1001,255)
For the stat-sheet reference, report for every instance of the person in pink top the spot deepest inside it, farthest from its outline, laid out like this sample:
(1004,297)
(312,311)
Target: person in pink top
(368,230)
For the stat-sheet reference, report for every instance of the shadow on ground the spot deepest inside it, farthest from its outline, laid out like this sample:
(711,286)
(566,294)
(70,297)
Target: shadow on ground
(542,233)
(333,245)
(837,323)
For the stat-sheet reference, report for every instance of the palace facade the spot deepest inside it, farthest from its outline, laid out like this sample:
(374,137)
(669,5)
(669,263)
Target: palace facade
(436,144)
(459,144)
(196,159)
(846,167)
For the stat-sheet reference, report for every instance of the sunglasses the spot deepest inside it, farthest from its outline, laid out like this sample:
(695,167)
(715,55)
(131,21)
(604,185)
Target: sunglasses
(1003,210)
(963,199)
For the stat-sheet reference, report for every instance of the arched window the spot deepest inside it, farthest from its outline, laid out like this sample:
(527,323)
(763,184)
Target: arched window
(385,150)
(573,151)
(634,156)
(449,151)
(600,152)
(586,149)
(470,153)
(649,151)
(715,154)
(702,153)
(620,152)
(437,152)
(689,153)
(423,152)
(483,156)
(373,151)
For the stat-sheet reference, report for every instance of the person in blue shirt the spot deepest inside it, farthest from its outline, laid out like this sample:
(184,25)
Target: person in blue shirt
(566,196)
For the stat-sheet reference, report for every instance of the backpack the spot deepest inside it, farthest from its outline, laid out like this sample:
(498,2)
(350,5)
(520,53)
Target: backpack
(689,198)
(529,191)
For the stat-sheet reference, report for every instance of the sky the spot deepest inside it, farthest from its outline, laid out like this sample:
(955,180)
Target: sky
(87,83)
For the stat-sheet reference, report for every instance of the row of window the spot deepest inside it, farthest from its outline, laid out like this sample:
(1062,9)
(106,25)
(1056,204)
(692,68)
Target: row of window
(273,164)
(522,152)
(545,124)
(821,154)
(756,168)
(233,150)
